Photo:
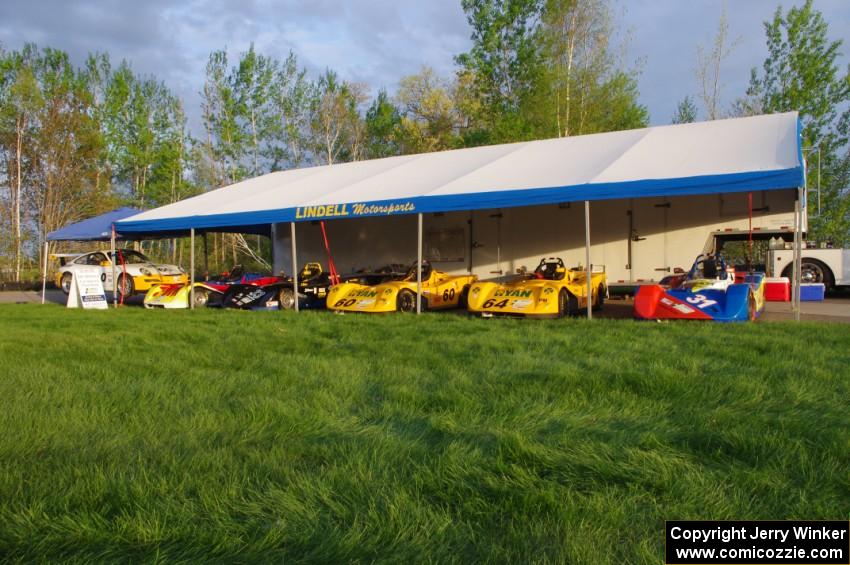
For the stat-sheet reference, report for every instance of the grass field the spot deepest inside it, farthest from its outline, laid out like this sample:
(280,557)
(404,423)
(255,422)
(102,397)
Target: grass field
(247,436)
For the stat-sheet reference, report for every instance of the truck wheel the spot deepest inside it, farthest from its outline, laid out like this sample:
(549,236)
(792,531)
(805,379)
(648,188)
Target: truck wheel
(812,271)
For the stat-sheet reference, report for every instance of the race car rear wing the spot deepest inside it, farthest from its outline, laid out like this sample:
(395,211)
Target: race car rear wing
(63,257)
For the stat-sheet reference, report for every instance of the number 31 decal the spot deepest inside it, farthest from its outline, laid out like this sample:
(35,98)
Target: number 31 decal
(700,301)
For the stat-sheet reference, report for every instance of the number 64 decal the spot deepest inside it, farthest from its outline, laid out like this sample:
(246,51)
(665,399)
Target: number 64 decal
(700,301)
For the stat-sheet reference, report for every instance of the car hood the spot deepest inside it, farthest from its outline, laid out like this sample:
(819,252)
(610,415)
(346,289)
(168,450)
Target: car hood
(136,268)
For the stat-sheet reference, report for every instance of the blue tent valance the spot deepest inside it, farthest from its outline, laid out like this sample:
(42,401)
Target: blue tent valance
(98,228)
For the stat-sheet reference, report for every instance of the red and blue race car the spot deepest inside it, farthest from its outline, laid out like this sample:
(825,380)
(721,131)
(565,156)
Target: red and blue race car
(710,291)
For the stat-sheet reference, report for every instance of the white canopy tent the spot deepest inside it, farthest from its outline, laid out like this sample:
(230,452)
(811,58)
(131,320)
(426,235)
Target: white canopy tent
(722,156)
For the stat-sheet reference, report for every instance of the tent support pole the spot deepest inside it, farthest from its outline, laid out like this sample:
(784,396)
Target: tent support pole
(44,272)
(206,259)
(589,267)
(798,253)
(113,260)
(294,265)
(419,264)
(192,268)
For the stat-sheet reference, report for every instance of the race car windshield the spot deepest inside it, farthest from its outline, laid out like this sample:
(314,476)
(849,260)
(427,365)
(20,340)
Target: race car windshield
(131,256)
(709,268)
(411,273)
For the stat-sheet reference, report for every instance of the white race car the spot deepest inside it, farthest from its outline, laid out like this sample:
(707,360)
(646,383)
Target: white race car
(135,272)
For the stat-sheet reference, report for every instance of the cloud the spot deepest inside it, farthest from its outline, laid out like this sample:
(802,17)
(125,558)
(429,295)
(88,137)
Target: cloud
(375,41)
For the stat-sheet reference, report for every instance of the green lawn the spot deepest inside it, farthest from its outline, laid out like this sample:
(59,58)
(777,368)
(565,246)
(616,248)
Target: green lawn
(253,436)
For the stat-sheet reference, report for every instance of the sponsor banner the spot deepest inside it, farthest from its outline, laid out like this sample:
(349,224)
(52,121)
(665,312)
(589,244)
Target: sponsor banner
(87,289)
(760,542)
(330,211)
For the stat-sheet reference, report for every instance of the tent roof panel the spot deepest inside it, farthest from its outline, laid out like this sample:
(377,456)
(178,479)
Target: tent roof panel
(754,153)
(98,228)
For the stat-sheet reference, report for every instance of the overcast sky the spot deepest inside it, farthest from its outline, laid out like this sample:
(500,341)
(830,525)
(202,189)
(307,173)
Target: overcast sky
(379,41)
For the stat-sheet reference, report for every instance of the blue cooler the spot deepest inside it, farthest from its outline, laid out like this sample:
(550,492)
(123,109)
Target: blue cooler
(812,291)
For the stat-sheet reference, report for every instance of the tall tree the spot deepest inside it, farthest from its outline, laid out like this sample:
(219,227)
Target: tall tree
(709,65)
(686,111)
(546,68)
(382,124)
(253,89)
(20,103)
(63,186)
(292,98)
(505,63)
(336,126)
(801,73)
(429,115)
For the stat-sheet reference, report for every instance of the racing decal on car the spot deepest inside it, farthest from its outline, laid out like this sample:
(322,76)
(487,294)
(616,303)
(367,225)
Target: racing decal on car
(683,308)
(522,303)
(519,293)
(701,301)
(362,293)
(250,296)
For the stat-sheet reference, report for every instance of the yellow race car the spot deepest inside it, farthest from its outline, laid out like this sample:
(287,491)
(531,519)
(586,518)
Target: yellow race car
(551,291)
(439,291)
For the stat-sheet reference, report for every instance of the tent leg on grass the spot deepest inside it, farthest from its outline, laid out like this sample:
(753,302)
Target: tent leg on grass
(798,251)
(419,265)
(294,265)
(192,268)
(206,259)
(588,267)
(44,272)
(114,273)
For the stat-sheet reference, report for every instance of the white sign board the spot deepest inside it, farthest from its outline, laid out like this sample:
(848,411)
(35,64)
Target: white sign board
(87,290)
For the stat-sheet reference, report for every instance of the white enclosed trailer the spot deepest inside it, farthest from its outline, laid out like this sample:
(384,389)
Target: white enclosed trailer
(637,240)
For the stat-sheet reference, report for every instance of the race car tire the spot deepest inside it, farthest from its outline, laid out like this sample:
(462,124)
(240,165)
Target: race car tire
(65,283)
(286,299)
(600,298)
(563,307)
(201,298)
(406,301)
(463,299)
(125,286)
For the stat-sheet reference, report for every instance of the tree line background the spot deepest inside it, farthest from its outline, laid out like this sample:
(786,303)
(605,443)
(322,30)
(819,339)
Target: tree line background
(78,140)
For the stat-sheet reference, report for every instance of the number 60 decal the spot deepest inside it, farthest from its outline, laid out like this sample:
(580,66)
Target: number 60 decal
(700,301)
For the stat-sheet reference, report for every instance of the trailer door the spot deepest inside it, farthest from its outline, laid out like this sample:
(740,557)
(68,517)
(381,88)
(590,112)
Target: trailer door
(486,238)
(648,241)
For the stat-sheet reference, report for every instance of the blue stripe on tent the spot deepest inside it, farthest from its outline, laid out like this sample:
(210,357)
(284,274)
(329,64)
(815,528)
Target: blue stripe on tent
(98,228)
(707,184)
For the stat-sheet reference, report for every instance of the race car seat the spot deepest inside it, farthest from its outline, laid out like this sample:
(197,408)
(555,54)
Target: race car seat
(236,273)
(426,271)
(550,269)
(309,271)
